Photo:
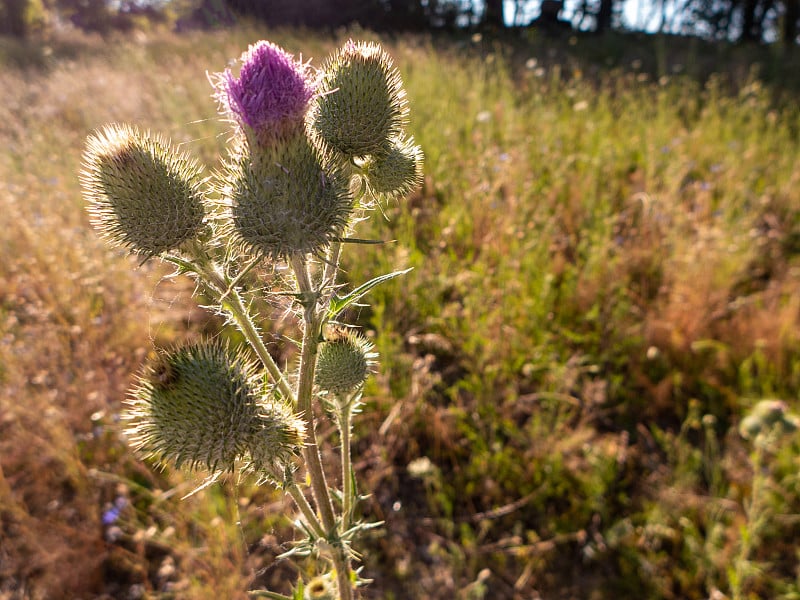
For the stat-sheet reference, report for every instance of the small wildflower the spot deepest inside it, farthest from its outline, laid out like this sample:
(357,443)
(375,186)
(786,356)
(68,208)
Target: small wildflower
(113,511)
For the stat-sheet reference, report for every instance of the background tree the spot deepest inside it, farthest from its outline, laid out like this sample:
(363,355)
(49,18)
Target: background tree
(791,17)
(604,15)
(493,15)
(21,17)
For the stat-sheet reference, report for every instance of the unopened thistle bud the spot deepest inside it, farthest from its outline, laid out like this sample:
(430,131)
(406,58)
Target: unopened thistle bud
(277,442)
(200,405)
(289,200)
(361,104)
(396,173)
(271,95)
(344,361)
(142,193)
(321,588)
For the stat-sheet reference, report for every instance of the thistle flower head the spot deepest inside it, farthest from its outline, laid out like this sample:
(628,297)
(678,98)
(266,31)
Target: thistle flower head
(142,193)
(271,94)
(201,405)
(361,104)
(397,172)
(289,200)
(344,361)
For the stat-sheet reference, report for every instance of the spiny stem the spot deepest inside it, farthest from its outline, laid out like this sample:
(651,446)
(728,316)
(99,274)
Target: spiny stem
(305,386)
(305,508)
(331,266)
(235,306)
(347,469)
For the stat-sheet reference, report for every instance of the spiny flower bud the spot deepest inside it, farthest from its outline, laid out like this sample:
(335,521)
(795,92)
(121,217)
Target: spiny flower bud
(396,173)
(361,104)
(321,588)
(271,94)
(279,438)
(197,404)
(142,193)
(344,361)
(286,201)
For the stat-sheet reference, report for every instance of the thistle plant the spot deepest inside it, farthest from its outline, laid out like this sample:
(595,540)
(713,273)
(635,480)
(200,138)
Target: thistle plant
(766,426)
(311,153)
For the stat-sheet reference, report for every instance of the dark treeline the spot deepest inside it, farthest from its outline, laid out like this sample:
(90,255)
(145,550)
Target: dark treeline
(745,21)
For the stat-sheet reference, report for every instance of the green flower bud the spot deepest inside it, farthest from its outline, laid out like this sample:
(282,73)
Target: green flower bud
(286,200)
(344,361)
(361,104)
(276,443)
(201,405)
(142,193)
(396,173)
(321,588)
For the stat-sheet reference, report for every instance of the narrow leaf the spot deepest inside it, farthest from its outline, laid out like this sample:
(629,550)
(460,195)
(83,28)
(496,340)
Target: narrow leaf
(339,304)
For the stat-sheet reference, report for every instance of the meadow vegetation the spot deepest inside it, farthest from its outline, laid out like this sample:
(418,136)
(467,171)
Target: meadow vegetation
(606,261)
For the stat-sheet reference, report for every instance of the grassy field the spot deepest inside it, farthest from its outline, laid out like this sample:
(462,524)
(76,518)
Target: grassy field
(606,259)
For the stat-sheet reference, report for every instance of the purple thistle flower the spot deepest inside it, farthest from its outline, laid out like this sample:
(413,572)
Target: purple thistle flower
(271,94)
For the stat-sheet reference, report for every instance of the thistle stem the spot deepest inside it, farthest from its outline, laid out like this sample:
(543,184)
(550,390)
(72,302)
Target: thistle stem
(305,508)
(305,384)
(331,266)
(235,306)
(347,469)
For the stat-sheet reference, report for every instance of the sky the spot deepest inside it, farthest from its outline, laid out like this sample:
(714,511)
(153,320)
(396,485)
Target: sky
(636,14)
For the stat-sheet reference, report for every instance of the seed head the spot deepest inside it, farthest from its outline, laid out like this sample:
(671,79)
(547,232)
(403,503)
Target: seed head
(289,200)
(344,361)
(361,104)
(396,173)
(142,193)
(271,94)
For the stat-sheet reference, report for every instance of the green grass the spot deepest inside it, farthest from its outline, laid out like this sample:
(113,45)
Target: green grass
(605,279)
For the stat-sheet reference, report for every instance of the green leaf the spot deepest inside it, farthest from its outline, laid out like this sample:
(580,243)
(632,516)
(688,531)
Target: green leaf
(339,304)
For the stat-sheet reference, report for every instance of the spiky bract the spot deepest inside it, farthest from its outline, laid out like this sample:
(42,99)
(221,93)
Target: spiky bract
(271,94)
(287,201)
(396,173)
(142,193)
(361,104)
(201,405)
(344,361)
